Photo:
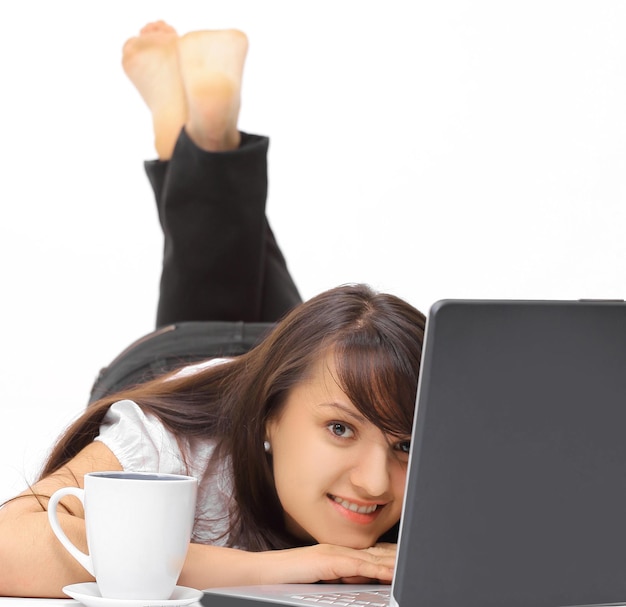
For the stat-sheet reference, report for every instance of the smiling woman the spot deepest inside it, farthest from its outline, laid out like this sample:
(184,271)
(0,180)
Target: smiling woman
(299,443)
(339,477)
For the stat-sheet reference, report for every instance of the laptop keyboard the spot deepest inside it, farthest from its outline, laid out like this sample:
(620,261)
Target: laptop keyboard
(371,598)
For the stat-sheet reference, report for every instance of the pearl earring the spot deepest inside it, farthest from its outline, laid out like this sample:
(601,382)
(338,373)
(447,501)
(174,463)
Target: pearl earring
(267,446)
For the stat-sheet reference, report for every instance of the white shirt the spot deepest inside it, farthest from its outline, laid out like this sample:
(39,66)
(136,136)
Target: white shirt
(142,443)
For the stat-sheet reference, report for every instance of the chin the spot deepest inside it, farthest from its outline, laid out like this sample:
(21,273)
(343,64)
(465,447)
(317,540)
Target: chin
(361,545)
(357,543)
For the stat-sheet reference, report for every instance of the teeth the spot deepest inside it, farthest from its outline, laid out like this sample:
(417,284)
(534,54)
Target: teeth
(354,507)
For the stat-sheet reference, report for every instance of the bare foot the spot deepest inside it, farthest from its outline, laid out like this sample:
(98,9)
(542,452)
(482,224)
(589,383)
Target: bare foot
(211,66)
(150,61)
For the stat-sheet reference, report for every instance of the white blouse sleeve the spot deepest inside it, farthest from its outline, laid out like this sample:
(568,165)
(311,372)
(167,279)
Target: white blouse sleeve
(142,443)
(139,441)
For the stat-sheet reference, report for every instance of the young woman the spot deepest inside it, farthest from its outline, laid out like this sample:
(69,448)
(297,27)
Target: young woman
(301,443)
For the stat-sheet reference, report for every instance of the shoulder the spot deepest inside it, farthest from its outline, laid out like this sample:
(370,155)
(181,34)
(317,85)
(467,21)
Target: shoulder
(142,443)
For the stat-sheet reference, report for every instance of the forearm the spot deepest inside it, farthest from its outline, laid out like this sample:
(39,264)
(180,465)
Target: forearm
(33,562)
(213,566)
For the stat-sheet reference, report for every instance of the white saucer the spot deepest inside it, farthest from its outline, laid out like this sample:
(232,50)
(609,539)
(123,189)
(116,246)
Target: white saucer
(89,595)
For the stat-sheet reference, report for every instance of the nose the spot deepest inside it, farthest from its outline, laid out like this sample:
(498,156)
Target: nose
(371,473)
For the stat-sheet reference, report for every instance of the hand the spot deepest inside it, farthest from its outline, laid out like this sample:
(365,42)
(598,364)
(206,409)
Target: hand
(329,563)
(382,550)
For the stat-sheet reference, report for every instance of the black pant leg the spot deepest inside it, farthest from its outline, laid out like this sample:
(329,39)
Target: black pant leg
(213,212)
(280,293)
(156,170)
(207,247)
(221,260)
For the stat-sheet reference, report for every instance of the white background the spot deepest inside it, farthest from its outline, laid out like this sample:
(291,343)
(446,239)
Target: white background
(431,148)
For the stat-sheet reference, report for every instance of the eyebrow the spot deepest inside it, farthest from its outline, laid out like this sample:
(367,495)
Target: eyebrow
(346,410)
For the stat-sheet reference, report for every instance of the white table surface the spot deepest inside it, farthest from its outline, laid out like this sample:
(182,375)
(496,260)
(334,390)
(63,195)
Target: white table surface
(24,602)
(20,602)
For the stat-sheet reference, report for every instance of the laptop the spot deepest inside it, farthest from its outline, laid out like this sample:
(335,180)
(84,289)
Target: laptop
(516,489)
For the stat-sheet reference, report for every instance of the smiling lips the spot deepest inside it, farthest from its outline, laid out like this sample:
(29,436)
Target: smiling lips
(360,513)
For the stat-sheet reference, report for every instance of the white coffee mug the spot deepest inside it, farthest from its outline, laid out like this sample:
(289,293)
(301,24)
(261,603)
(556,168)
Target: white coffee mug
(138,531)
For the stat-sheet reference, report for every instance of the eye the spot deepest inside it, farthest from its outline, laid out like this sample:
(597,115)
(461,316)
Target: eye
(340,430)
(403,446)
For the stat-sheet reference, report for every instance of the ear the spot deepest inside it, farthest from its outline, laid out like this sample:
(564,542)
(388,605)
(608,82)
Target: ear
(270,430)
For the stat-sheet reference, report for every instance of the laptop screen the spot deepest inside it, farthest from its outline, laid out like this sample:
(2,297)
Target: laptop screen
(517,482)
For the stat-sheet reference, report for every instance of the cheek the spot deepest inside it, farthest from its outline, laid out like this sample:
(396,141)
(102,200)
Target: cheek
(292,459)
(398,481)
(303,466)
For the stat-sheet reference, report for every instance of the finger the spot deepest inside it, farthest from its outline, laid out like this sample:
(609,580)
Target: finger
(381,558)
(387,546)
(336,562)
(357,580)
(382,550)
(374,571)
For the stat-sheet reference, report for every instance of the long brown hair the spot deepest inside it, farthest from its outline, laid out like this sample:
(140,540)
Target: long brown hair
(377,342)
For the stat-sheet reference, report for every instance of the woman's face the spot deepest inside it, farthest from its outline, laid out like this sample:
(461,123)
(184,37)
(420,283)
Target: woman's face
(339,478)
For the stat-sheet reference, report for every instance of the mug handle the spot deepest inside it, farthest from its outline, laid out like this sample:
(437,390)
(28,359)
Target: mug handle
(81,557)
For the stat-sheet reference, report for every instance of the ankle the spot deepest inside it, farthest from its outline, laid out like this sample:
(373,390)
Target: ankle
(226,143)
